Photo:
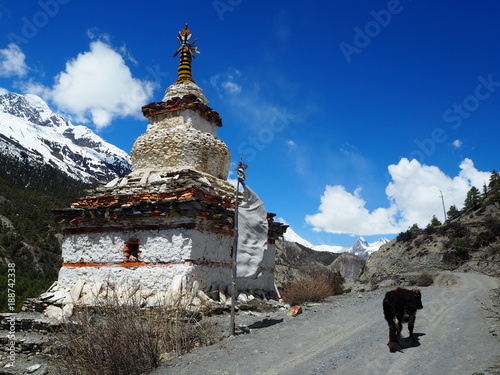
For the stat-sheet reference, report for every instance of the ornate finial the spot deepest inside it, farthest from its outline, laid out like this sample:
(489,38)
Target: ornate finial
(188,51)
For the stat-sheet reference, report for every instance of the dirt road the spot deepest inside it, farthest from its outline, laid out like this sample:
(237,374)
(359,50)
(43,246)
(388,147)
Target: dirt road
(348,335)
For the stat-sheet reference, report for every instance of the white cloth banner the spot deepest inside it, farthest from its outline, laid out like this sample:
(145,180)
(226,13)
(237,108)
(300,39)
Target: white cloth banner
(252,234)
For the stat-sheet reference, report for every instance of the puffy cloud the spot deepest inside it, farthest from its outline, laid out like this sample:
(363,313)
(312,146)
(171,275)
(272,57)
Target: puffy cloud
(3,91)
(457,143)
(98,86)
(344,212)
(12,61)
(413,195)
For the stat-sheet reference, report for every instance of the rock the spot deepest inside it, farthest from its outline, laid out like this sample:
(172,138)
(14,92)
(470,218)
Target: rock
(46,295)
(245,298)
(386,283)
(175,290)
(203,297)
(294,311)
(75,292)
(56,296)
(53,312)
(349,266)
(222,295)
(67,310)
(195,288)
(33,368)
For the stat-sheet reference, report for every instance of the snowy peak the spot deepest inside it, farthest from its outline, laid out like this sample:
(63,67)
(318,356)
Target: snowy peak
(30,131)
(30,108)
(360,248)
(363,249)
(360,245)
(291,236)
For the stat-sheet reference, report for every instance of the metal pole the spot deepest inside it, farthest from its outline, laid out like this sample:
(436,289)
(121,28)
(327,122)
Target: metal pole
(444,209)
(235,253)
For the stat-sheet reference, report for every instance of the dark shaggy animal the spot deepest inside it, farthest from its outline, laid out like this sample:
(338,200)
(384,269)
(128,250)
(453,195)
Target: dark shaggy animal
(400,306)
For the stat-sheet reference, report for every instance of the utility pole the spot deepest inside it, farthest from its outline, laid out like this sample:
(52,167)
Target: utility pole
(444,209)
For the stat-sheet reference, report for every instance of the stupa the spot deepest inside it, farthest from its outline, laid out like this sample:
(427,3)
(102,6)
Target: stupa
(167,224)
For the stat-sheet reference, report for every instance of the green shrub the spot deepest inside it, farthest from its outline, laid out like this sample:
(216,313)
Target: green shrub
(462,247)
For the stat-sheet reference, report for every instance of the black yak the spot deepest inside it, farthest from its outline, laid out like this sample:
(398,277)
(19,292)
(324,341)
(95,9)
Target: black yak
(400,306)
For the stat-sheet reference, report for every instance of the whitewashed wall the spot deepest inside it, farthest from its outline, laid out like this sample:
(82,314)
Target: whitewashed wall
(210,253)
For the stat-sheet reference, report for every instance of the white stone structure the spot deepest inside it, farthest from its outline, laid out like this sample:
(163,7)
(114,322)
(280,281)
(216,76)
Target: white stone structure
(168,223)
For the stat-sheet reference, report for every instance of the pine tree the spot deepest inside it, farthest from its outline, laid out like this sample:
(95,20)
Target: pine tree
(452,212)
(434,222)
(493,196)
(414,228)
(473,198)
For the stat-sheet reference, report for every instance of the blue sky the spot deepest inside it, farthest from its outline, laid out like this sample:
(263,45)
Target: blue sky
(352,115)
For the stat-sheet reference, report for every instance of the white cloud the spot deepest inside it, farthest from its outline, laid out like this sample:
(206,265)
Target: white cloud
(413,195)
(32,87)
(343,212)
(457,143)
(3,91)
(231,87)
(226,83)
(12,61)
(98,86)
(291,144)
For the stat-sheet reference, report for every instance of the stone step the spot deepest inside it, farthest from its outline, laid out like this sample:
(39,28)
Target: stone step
(27,322)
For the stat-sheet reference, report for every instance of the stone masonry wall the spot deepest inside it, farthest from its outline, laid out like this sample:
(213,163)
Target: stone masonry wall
(174,142)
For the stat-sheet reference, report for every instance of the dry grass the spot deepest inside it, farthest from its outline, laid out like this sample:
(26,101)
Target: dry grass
(118,339)
(313,286)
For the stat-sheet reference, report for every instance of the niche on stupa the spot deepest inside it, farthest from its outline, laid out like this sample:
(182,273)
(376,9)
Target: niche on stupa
(131,251)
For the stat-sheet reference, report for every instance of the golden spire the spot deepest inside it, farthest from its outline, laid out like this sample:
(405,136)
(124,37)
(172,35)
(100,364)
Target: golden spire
(187,51)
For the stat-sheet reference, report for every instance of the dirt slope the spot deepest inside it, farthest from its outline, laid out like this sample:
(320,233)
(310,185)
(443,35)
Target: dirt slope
(348,335)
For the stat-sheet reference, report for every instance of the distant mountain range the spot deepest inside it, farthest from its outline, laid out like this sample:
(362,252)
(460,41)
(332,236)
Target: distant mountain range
(361,247)
(32,133)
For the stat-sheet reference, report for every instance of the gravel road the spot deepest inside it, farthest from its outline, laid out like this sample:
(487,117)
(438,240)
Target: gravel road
(348,335)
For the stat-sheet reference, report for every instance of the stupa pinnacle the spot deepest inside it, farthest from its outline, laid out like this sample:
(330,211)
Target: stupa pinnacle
(185,83)
(188,50)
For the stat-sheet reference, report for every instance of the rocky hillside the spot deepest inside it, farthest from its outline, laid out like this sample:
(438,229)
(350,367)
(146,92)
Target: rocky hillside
(469,241)
(293,260)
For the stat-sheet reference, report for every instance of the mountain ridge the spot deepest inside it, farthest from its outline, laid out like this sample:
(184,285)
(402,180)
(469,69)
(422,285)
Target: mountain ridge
(360,248)
(32,132)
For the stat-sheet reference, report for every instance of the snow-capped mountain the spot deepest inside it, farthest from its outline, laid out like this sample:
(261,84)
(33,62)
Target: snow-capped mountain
(360,248)
(291,236)
(30,131)
(363,249)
